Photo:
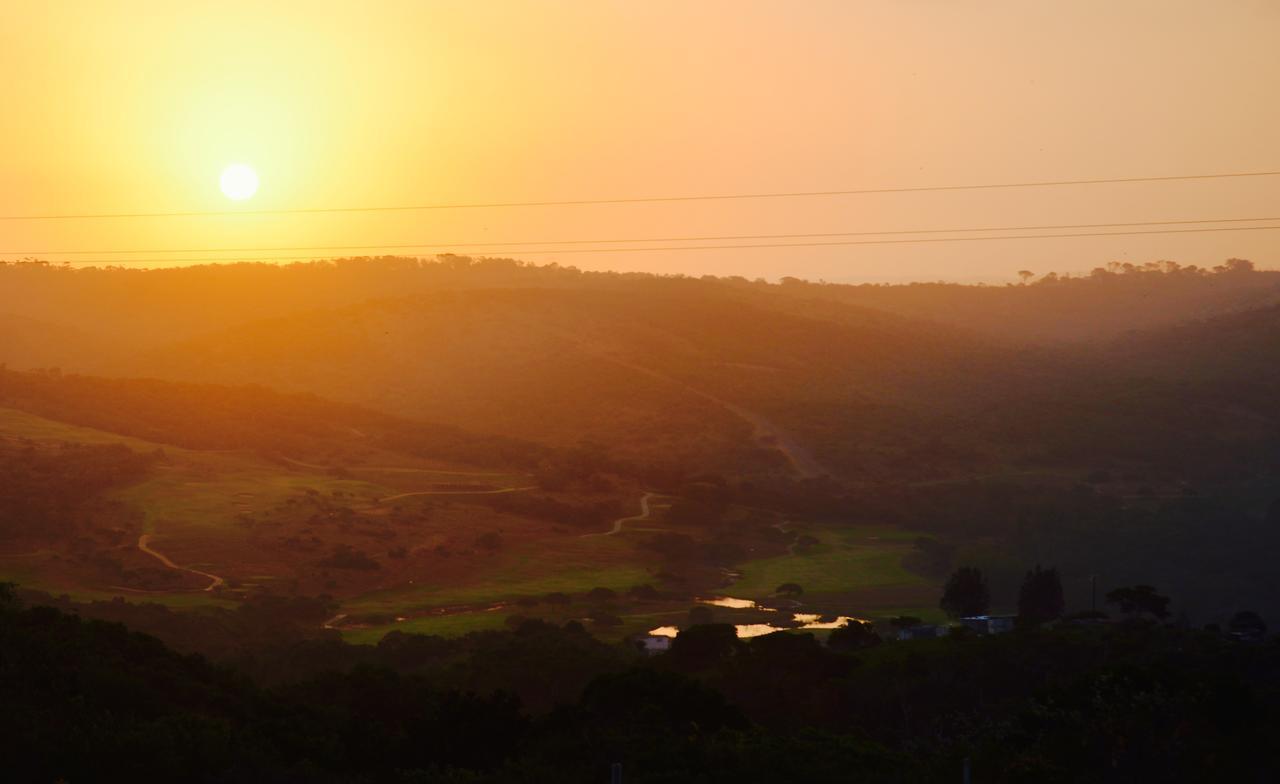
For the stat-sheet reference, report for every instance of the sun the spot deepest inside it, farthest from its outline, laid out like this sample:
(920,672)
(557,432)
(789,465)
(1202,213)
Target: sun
(239,181)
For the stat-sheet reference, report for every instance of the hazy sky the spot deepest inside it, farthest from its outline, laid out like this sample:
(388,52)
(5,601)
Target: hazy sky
(137,106)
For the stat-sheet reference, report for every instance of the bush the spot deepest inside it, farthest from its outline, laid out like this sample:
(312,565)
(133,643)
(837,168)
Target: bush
(345,557)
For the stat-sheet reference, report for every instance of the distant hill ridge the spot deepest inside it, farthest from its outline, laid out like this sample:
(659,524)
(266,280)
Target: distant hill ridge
(913,381)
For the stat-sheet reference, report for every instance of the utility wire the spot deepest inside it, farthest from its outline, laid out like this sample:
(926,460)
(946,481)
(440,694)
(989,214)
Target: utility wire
(715,238)
(640,200)
(915,240)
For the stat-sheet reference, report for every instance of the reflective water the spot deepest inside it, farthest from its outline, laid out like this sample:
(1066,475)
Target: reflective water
(735,604)
(817,623)
(747,630)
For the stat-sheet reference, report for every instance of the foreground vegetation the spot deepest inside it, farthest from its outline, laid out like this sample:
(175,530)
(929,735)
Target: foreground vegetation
(542,703)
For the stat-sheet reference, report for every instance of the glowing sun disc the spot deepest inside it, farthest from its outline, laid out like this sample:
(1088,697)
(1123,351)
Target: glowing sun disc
(238,181)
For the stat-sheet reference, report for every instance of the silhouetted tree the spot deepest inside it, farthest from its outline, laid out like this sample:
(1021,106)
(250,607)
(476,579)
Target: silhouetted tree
(704,646)
(1247,625)
(856,635)
(1140,600)
(965,594)
(1040,598)
(602,594)
(604,618)
(1235,265)
(644,591)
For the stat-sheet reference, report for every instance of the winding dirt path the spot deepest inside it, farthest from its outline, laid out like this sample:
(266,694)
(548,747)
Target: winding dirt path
(765,432)
(398,496)
(143,545)
(617,524)
(400,469)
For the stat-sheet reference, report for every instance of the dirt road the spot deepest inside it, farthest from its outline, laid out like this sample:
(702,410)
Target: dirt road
(765,432)
(617,524)
(457,492)
(164,559)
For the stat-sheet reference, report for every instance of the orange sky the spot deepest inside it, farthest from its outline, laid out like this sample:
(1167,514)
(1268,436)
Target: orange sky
(137,106)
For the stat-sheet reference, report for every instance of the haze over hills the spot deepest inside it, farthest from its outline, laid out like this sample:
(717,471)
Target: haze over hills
(698,373)
(838,400)
(908,413)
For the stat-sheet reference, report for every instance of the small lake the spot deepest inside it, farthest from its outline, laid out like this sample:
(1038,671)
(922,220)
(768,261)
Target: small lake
(811,621)
(735,604)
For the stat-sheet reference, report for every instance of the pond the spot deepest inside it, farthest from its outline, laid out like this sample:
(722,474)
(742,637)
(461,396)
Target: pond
(811,621)
(735,604)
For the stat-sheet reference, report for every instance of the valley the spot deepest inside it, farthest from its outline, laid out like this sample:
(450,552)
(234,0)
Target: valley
(440,560)
(618,448)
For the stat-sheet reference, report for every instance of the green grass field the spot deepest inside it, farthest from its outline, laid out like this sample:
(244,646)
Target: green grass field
(498,584)
(212,490)
(845,560)
(440,625)
(20,424)
(854,570)
(193,502)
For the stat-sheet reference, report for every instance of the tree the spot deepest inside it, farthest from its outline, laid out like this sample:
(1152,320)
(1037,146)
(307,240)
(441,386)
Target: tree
(604,618)
(853,636)
(705,645)
(1040,598)
(1026,275)
(346,557)
(1140,600)
(644,591)
(789,589)
(1235,265)
(602,594)
(966,594)
(1247,625)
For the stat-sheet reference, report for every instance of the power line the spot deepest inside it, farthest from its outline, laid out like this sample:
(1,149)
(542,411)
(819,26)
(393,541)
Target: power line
(916,240)
(713,238)
(640,200)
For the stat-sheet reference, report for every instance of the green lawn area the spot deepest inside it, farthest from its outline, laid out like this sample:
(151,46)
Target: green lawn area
(20,424)
(459,624)
(847,559)
(29,575)
(213,490)
(567,564)
(440,625)
(497,584)
(194,488)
